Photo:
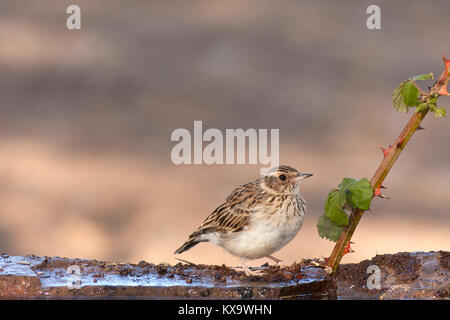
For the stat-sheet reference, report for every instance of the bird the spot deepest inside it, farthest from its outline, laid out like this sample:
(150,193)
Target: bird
(257,219)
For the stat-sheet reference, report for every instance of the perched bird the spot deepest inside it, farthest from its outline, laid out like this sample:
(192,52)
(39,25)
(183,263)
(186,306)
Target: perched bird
(257,219)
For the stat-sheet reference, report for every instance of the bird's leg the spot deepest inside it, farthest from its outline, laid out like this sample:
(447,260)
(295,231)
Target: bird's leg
(247,270)
(276,260)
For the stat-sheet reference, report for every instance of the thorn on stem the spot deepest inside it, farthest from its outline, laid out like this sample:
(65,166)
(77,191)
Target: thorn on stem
(348,249)
(377,193)
(386,151)
(444,77)
(420,128)
(443,91)
(446,61)
(399,144)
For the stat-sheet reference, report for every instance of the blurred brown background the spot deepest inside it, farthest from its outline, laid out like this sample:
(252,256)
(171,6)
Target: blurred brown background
(86,118)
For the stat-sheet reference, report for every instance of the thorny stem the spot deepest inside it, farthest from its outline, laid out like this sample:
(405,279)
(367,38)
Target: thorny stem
(390,156)
(376,182)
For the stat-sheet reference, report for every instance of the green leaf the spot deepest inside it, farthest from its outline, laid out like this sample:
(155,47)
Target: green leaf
(351,192)
(432,99)
(422,107)
(348,197)
(397,98)
(423,76)
(407,93)
(440,112)
(360,193)
(327,229)
(410,94)
(333,208)
(345,183)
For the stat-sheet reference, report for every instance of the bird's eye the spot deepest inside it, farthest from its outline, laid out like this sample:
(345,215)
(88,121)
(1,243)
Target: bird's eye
(282,177)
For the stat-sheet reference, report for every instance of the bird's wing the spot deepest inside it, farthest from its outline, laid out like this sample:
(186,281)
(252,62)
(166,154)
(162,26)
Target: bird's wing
(234,214)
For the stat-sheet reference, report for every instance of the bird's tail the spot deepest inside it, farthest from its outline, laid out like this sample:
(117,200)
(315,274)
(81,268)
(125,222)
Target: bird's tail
(187,245)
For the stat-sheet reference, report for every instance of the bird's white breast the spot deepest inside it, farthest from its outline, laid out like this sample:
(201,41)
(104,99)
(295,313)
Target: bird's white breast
(267,232)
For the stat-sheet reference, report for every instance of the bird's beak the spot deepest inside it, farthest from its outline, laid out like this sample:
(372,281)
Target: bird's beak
(302,176)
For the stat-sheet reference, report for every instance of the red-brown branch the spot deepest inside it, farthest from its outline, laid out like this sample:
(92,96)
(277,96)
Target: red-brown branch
(390,156)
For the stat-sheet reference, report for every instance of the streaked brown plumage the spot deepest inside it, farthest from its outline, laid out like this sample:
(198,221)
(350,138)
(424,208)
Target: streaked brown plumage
(257,218)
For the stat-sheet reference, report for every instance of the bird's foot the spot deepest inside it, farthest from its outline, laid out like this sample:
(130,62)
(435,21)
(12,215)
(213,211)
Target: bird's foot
(250,273)
(254,273)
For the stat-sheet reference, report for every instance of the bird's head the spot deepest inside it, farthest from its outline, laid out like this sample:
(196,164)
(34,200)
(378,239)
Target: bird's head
(282,179)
